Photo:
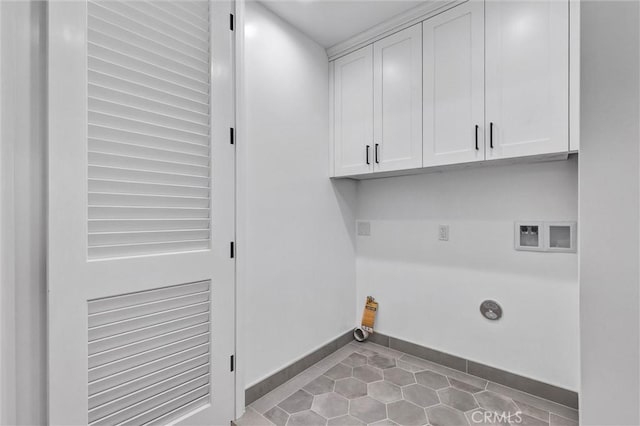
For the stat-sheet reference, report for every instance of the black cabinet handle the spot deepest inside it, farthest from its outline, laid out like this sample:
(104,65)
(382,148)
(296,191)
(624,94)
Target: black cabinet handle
(477,127)
(491,134)
(368,146)
(377,154)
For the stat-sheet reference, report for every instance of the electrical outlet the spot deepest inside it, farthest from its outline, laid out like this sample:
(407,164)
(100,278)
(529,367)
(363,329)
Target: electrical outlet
(443,232)
(364,229)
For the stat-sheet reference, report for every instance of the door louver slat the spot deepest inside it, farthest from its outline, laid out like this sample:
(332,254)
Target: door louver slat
(146,357)
(148,368)
(144,12)
(132,89)
(142,225)
(185,15)
(163,119)
(144,176)
(145,153)
(172,407)
(195,8)
(126,187)
(147,392)
(120,327)
(150,407)
(110,239)
(148,380)
(124,72)
(120,302)
(177,412)
(117,43)
(145,308)
(149,354)
(126,212)
(120,13)
(144,164)
(145,345)
(104,252)
(127,33)
(114,57)
(127,337)
(144,200)
(148,127)
(161,14)
(135,138)
(121,122)
(156,102)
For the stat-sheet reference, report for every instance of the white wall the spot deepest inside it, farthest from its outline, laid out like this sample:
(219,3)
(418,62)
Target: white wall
(299,262)
(610,214)
(23,209)
(430,291)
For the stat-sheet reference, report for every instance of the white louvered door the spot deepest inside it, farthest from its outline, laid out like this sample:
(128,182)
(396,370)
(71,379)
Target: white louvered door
(141,212)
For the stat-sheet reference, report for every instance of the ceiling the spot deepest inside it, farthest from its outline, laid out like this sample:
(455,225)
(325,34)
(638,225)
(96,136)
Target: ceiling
(329,22)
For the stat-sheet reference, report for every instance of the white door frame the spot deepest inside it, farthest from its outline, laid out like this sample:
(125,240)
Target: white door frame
(241,192)
(7,234)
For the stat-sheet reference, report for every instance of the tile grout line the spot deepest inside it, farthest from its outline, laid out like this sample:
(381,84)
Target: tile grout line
(468,363)
(487,382)
(301,373)
(369,350)
(333,345)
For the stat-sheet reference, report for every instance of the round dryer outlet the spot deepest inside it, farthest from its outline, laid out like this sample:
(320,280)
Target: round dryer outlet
(491,310)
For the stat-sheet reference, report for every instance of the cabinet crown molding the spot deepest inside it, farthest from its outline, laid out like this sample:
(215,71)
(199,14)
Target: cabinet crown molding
(396,23)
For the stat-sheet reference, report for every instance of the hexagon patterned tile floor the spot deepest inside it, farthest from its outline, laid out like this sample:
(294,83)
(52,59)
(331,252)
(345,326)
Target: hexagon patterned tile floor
(367,384)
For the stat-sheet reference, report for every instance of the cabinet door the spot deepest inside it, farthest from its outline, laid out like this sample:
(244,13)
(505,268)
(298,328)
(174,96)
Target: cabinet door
(397,94)
(353,126)
(527,77)
(453,58)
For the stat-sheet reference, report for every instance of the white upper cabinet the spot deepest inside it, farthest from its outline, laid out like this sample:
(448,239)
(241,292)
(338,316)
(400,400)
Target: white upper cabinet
(397,100)
(353,109)
(527,78)
(484,80)
(453,58)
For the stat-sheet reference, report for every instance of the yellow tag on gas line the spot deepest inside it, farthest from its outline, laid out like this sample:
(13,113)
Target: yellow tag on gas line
(369,315)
